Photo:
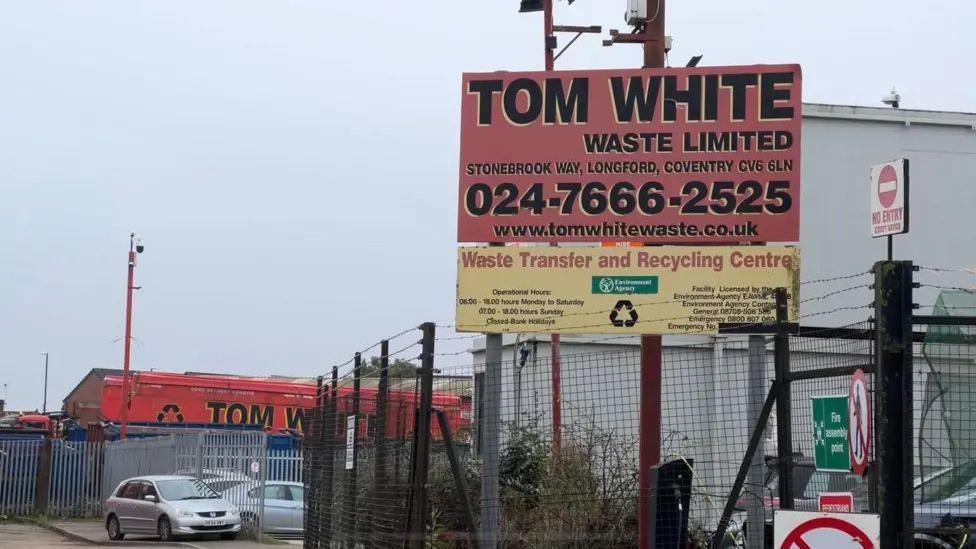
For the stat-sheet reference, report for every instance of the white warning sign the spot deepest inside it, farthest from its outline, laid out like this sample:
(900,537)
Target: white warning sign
(889,198)
(809,530)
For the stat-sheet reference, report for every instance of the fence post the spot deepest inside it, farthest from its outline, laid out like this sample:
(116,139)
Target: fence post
(42,484)
(466,510)
(491,443)
(311,470)
(755,517)
(383,495)
(893,393)
(262,478)
(201,440)
(382,411)
(784,414)
(352,473)
(418,509)
(328,451)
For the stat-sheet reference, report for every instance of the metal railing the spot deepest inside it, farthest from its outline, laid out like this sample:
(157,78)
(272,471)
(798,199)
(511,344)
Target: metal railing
(18,475)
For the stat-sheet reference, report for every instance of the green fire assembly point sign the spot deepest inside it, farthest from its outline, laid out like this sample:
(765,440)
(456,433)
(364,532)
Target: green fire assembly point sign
(830,447)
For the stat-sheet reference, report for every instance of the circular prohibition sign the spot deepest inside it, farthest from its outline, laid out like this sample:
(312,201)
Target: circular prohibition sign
(826,532)
(859,422)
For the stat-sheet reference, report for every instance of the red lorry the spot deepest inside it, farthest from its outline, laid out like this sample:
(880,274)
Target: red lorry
(159,397)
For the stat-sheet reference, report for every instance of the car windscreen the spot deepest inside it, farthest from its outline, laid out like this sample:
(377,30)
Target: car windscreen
(952,482)
(178,489)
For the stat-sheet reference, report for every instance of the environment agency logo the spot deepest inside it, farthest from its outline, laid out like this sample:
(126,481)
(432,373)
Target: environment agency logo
(610,284)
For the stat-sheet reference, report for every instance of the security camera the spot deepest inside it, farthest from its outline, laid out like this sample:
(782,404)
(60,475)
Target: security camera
(892,99)
(139,246)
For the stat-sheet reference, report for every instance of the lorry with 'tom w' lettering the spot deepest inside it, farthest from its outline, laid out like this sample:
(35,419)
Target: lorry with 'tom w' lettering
(278,405)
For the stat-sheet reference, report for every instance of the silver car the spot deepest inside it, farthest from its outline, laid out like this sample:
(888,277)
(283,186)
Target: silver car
(284,505)
(169,506)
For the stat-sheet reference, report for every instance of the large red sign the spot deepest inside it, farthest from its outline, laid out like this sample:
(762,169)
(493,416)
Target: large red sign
(709,154)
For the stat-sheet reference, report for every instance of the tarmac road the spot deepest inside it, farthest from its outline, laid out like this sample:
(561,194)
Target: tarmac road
(88,533)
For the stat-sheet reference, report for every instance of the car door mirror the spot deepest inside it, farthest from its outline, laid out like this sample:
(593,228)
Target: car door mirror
(149,497)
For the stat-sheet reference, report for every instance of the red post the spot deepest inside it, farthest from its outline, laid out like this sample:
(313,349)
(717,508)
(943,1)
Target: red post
(649,452)
(554,338)
(126,399)
(547,30)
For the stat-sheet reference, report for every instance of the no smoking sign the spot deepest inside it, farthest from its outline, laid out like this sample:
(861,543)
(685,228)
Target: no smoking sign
(805,530)
(859,422)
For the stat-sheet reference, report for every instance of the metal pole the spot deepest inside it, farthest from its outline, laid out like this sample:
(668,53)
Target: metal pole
(262,479)
(466,510)
(491,426)
(382,416)
(755,516)
(549,42)
(893,385)
(757,433)
(649,453)
(784,423)
(44,406)
(312,471)
(329,451)
(352,490)
(124,411)
(654,29)
(422,429)
(557,399)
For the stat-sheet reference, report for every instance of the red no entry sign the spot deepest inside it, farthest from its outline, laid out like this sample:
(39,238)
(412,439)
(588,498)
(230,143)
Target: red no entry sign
(889,198)
(887,185)
(802,530)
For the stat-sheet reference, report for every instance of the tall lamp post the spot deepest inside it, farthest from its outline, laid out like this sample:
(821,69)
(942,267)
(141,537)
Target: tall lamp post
(44,408)
(135,247)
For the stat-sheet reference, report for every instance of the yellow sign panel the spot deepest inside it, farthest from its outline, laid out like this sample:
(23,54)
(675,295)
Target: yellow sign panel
(651,290)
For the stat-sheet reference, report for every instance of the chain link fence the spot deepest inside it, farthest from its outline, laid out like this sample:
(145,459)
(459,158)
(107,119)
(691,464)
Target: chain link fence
(746,430)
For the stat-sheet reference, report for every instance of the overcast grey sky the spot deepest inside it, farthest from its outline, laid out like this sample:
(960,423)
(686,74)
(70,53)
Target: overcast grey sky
(292,165)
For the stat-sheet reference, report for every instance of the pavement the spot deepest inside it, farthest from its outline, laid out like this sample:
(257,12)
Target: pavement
(86,533)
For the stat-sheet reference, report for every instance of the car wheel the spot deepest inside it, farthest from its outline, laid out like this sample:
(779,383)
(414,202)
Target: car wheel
(114,530)
(165,529)
(927,541)
(228,535)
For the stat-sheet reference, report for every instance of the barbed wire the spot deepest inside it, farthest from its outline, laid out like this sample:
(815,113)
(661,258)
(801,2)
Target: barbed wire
(964,270)
(831,294)
(454,326)
(635,305)
(844,308)
(375,345)
(454,338)
(954,288)
(366,360)
(834,278)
